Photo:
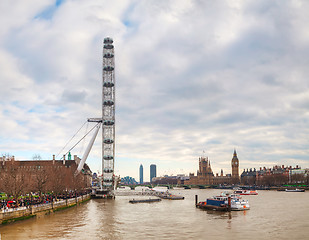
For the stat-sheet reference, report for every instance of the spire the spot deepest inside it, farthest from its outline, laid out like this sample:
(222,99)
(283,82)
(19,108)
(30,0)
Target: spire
(235,154)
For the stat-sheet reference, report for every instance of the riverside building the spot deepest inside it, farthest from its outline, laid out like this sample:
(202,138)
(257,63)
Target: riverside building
(277,175)
(42,175)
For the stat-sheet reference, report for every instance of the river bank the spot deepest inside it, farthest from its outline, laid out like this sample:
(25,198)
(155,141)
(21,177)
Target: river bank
(16,214)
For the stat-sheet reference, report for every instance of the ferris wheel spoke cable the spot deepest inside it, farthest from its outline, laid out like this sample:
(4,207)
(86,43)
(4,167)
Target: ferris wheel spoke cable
(83,144)
(81,139)
(71,139)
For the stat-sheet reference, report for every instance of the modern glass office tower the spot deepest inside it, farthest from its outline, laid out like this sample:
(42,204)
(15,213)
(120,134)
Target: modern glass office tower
(153,171)
(141,174)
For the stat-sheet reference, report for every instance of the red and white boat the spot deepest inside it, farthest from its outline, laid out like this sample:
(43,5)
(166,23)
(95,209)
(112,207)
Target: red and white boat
(245,192)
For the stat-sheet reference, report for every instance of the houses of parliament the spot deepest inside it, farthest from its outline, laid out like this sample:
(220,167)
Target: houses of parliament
(205,175)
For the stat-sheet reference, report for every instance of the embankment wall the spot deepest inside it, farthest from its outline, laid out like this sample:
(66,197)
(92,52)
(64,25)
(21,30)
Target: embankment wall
(14,214)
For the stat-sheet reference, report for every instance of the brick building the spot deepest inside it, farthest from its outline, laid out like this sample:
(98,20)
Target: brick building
(42,175)
(277,175)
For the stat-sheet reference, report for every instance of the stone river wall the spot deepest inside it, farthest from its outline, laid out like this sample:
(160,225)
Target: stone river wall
(14,214)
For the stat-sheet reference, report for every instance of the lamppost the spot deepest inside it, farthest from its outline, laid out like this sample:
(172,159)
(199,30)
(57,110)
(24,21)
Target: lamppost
(66,196)
(31,202)
(52,199)
(75,196)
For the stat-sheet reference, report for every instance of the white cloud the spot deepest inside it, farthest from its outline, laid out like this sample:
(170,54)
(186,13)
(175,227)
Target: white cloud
(191,76)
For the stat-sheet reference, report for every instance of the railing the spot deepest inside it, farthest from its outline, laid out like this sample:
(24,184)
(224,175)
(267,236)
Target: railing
(45,206)
(5,210)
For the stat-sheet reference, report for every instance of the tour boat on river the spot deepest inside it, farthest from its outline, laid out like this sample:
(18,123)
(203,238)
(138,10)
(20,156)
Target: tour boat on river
(245,192)
(225,202)
(237,203)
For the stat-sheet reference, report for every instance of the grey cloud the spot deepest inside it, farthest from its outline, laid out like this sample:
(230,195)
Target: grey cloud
(191,76)
(74,96)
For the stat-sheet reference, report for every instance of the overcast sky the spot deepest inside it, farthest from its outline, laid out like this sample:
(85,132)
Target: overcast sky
(193,78)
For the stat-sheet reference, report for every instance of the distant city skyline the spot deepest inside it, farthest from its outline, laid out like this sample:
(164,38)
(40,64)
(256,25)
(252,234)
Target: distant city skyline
(190,76)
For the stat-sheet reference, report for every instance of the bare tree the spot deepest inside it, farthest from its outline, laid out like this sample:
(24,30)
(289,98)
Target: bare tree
(297,178)
(40,179)
(13,180)
(280,179)
(77,182)
(267,180)
(56,180)
(36,157)
(7,156)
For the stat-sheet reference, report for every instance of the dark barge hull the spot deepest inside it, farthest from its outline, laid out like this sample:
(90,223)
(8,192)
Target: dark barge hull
(212,207)
(145,200)
(173,198)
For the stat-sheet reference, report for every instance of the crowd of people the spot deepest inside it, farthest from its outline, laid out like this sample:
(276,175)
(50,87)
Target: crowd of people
(36,199)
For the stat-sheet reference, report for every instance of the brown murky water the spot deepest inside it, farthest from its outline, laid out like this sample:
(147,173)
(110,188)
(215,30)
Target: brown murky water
(273,215)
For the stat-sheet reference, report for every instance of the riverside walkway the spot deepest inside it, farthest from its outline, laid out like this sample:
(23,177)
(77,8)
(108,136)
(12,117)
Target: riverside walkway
(13,214)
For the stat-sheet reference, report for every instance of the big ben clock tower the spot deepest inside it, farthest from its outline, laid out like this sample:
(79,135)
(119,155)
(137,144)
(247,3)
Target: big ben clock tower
(235,168)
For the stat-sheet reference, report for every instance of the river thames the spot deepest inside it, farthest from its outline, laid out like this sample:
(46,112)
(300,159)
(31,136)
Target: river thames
(273,215)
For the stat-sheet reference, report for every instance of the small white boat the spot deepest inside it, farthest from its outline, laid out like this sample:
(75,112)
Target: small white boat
(123,188)
(295,190)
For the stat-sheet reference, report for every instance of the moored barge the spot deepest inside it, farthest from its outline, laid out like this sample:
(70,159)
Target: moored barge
(295,190)
(145,200)
(213,204)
